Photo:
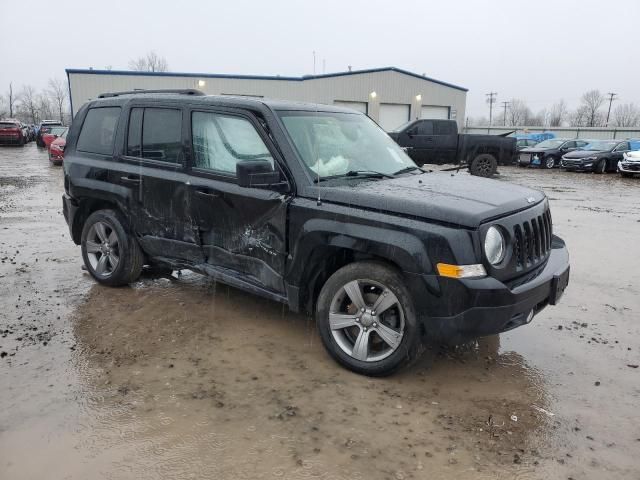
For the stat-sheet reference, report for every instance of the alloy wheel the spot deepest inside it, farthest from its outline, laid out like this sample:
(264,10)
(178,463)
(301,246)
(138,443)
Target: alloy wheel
(366,320)
(103,249)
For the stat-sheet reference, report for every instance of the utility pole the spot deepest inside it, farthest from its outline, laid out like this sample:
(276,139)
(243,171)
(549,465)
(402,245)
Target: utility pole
(10,100)
(491,98)
(314,62)
(504,115)
(612,97)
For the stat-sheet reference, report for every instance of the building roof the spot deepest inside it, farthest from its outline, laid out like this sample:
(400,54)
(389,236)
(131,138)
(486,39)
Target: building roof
(262,77)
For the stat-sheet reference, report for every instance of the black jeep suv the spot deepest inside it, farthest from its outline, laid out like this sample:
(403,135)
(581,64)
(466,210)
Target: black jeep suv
(313,206)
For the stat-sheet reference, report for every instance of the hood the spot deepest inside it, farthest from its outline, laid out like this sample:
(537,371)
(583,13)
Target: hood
(577,154)
(633,155)
(459,199)
(537,150)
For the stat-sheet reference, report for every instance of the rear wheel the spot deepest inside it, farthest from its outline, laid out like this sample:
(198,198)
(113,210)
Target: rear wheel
(601,166)
(484,165)
(366,319)
(112,255)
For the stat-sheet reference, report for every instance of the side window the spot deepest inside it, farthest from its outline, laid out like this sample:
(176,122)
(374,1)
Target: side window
(134,137)
(443,128)
(425,128)
(623,147)
(99,130)
(220,141)
(581,144)
(162,135)
(569,145)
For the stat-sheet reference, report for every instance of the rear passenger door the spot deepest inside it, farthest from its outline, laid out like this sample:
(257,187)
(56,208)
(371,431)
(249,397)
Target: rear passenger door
(153,166)
(242,230)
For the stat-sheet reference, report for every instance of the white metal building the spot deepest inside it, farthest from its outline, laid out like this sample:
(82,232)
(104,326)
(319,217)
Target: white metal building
(390,96)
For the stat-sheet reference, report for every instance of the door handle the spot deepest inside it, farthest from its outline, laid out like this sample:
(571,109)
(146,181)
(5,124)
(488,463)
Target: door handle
(206,193)
(131,179)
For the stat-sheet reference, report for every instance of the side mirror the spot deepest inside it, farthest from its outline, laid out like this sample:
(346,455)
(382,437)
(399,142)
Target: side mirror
(256,174)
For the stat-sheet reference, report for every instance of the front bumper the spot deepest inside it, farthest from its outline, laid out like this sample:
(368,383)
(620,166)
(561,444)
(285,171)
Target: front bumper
(629,167)
(578,166)
(488,306)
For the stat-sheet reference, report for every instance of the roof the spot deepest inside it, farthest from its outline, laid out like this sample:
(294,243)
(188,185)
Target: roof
(262,77)
(221,100)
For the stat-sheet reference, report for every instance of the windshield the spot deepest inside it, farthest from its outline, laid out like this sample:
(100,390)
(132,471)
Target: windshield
(402,127)
(601,146)
(555,143)
(57,130)
(332,144)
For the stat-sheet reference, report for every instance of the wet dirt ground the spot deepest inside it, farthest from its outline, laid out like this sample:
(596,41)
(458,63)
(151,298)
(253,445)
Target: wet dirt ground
(176,377)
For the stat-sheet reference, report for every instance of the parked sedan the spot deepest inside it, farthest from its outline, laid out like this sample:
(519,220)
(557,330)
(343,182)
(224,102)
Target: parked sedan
(600,156)
(56,149)
(547,154)
(630,163)
(52,134)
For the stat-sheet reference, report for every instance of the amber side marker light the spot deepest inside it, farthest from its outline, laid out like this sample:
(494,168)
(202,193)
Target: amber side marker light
(461,271)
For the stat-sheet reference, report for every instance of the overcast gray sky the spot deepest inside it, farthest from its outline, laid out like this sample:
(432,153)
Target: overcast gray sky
(540,51)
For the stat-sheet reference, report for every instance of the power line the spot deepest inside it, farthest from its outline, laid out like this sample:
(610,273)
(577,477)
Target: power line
(504,117)
(612,97)
(491,99)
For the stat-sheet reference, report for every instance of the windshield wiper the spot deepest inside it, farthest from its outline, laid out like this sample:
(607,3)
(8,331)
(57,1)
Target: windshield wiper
(410,168)
(355,173)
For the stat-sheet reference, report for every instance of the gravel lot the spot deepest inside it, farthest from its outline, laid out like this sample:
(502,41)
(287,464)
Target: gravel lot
(180,378)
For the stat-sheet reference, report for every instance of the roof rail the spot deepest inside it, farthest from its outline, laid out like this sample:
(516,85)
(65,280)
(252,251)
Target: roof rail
(188,91)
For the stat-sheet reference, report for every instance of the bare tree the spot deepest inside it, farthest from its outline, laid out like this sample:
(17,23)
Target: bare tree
(518,113)
(151,62)
(626,115)
(58,95)
(46,109)
(558,114)
(29,104)
(591,102)
(11,100)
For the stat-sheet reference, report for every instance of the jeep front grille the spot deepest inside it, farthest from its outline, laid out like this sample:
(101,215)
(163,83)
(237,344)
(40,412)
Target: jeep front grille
(532,240)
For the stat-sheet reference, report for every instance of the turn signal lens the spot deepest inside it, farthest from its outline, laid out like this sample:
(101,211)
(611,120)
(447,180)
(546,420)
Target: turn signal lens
(461,271)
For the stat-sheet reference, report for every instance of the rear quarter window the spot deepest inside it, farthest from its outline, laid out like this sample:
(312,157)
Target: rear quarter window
(99,130)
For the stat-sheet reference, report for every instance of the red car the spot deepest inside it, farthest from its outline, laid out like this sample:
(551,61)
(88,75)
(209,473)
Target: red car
(52,134)
(11,133)
(56,149)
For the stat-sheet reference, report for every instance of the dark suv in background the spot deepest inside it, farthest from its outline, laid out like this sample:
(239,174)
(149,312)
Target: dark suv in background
(313,206)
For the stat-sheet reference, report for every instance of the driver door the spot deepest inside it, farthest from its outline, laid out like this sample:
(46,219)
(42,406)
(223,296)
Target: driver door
(241,230)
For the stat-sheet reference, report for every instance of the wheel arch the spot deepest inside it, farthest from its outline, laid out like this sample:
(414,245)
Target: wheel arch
(85,209)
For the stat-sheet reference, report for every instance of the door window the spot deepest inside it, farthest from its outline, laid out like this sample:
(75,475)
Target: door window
(98,130)
(221,141)
(162,135)
(425,128)
(623,147)
(134,138)
(443,128)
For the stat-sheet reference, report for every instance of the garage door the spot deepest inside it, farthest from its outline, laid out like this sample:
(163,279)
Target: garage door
(393,115)
(357,106)
(434,111)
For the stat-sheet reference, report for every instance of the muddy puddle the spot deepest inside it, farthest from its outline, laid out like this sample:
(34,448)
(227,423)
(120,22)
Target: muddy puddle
(177,377)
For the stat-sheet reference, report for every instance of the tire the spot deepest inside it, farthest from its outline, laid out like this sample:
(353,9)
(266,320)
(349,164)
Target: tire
(601,167)
(111,255)
(626,175)
(343,325)
(549,163)
(484,165)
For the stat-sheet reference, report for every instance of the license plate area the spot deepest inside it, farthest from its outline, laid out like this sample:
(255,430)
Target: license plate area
(558,286)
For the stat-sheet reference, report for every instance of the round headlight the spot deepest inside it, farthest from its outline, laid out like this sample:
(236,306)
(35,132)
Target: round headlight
(494,247)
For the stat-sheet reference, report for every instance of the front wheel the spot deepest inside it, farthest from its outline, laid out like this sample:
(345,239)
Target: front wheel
(549,162)
(484,165)
(366,319)
(601,167)
(112,256)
